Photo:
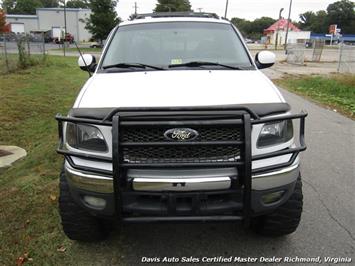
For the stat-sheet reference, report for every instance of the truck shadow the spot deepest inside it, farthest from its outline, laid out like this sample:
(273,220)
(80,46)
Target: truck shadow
(131,242)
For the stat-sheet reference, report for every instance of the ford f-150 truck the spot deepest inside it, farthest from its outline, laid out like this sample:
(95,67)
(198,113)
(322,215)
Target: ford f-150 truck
(178,124)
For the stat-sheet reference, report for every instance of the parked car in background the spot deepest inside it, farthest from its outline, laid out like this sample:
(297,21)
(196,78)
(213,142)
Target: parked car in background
(96,45)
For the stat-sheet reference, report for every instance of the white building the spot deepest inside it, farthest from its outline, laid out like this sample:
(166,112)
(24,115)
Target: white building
(52,19)
(278,30)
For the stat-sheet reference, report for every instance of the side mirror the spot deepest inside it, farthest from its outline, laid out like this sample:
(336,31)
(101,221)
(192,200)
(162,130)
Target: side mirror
(265,59)
(87,62)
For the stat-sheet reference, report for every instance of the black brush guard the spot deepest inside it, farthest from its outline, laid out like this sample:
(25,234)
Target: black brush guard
(242,117)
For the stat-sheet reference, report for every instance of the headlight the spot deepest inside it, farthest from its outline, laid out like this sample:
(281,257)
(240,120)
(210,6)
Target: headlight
(84,137)
(275,133)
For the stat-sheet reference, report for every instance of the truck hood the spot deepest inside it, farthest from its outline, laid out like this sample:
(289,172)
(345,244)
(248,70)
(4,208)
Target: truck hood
(177,88)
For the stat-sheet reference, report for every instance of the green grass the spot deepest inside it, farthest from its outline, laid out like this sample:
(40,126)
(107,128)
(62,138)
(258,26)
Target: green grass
(336,91)
(29,220)
(9,66)
(12,63)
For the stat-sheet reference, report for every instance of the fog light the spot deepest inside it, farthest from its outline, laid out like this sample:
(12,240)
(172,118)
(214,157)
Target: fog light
(272,197)
(95,202)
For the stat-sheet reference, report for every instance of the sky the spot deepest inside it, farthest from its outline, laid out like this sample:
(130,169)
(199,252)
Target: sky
(248,9)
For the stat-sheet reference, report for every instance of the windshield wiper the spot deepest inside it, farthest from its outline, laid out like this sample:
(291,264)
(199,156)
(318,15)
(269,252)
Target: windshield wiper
(202,63)
(130,65)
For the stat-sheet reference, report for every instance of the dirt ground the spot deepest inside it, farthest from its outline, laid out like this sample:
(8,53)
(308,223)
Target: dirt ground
(329,54)
(327,65)
(281,69)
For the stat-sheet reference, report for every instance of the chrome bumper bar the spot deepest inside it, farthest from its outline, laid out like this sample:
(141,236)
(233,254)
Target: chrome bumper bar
(183,184)
(104,184)
(89,182)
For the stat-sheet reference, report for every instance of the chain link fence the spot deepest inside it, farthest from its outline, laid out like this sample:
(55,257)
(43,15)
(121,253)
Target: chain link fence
(346,58)
(20,50)
(296,53)
(318,46)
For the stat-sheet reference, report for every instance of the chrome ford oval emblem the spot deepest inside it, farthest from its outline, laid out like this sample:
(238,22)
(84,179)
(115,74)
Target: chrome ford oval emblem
(181,134)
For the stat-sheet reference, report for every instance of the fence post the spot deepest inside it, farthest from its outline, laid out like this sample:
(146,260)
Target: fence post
(314,49)
(340,55)
(5,52)
(28,45)
(43,44)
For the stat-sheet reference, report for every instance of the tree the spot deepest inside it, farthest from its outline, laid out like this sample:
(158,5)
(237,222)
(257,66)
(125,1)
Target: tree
(173,6)
(315,22)
(342,13)
(103,18)
(21,6)
(78,4)
(321,22)
(8,6)
(2,21)
(243,25)
(260,24)
(26,6)
(253,29)
(307,20)
(49,3)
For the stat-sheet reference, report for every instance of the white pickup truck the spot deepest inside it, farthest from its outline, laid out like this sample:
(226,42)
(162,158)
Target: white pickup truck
(177,123)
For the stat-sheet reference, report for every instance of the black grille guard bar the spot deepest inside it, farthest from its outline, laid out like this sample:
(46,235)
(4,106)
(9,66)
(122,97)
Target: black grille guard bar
(238,116)
(258,120)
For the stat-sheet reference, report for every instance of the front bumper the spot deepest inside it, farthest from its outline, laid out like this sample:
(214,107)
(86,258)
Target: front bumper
(132,202)
(217,182)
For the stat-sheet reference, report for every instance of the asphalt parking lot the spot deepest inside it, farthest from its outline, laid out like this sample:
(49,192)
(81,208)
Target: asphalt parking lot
(327,226)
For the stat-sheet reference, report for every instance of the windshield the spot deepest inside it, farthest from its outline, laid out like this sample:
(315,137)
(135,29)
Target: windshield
(176,43)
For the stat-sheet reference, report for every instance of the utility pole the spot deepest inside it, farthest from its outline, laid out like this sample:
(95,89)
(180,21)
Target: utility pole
(288,24)
(226,11)
(135,8)
(65,26)
(200,9)
(277,29)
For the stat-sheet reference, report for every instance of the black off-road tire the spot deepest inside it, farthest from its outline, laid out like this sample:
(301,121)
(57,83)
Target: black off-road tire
(285,219)
(77,223)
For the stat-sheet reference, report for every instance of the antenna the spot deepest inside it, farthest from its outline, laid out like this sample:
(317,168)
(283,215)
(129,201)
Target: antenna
(81,55)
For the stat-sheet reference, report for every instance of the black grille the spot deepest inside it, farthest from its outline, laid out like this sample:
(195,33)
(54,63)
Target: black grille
(180,154)
(152,134)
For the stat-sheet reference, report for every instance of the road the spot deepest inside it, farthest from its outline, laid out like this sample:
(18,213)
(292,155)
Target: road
(327,227)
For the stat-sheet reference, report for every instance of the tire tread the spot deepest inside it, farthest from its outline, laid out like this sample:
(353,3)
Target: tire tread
(77,223)
(285,219)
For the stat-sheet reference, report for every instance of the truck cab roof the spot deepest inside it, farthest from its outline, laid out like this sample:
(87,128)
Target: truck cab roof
(175,16)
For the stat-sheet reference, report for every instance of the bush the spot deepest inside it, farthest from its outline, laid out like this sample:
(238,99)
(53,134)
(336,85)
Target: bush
(23,56)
